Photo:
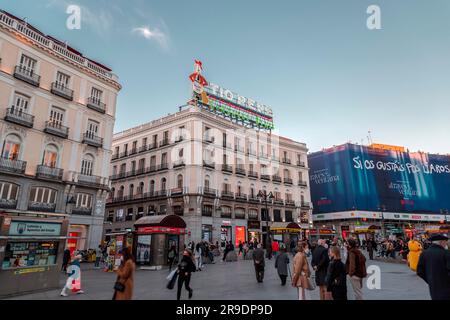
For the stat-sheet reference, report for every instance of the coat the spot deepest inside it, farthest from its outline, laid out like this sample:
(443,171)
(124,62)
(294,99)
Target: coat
(320,260)
(415,249)
(125,275)
(434,268)
(300,271)
(336,280)
(258,255)
(281,263)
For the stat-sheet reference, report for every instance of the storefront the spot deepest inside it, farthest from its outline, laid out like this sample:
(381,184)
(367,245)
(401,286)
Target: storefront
(77,238)
(254,231)
(155,235)
(207,232)
(31,250)
(225,232)
(365,232)
(240,235)
(115,243)
(286,232)
(320,233)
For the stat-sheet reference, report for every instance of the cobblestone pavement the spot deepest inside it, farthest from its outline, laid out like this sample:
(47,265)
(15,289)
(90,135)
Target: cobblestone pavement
(236,281)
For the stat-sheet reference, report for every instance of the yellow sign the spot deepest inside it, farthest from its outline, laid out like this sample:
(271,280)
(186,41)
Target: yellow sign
(387,147)
(31,270)
(291,230)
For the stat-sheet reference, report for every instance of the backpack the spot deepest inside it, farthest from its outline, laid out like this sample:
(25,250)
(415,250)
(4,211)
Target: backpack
(360,265)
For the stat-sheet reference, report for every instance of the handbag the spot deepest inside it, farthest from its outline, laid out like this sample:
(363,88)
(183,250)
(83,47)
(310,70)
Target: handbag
(119,286)
(171,283)
(311,284)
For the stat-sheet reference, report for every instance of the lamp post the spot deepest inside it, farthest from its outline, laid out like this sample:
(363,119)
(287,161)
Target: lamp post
(263,195)
(382,208)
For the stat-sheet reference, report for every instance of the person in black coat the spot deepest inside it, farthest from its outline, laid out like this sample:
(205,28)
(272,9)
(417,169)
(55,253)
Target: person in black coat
(434,268)
(319,262)
(66,259)
(185,268)
(336,278)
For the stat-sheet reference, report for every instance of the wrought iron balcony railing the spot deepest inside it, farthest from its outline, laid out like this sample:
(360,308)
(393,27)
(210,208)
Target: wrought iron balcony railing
(96,104)
(27,75)
(49,173)
(56,129)
(17,116)
(62,91)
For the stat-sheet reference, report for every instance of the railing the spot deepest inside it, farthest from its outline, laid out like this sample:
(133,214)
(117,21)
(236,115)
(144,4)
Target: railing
(179,138)
(45,172)
(276,178)
(225,214)
(27,75)
(209,164)
(16,115)
(56,129)
(152,146)
(8,203)
(179,163)
(92,140)
(94,181)
(115,156)
(41,207)
(263,156)
(164,142)
(286,160)
(238,148)
(96,104)
(23,28)
(226,145)
(123,154)
(253,199)
(209,191)
(227,194)
(278,201)
(206,213)
(253,174)
(290,202)
(301,164)
(251,152)
(241,196)
(82,211)
(265,177)
(227,168)
(302,184)
(133,151)
(305,204)
(163,166)
(143,148)
(12,166)
(176,191)
(240,171)
(287,180)
(62,91)
(239,215)
(152,168)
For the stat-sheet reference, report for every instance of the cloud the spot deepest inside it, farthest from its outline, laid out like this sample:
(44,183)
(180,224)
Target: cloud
(154,34)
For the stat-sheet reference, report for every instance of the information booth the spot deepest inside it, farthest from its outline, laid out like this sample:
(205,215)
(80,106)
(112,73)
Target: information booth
(31,252)
(285,234)
(155,235)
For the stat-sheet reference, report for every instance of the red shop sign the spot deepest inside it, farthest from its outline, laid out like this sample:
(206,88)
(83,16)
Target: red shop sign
(157,229)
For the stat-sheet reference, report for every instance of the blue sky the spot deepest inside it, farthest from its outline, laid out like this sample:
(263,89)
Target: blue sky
(328,78)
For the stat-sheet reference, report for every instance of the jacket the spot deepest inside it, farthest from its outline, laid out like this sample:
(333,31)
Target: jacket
(320,260)
(258,256)
(336,275)
(434,268)
(281,263)
(125,275)
(351,263)
(300,271)
(186,267)
(415,249)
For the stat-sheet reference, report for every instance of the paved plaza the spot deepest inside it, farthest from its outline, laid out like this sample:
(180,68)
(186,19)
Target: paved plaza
(235,281)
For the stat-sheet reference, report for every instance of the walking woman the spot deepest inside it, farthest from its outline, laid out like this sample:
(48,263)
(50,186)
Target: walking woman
(185,268)
(301,272)
(198,257)
(281,264)
(125,276)
(336,278)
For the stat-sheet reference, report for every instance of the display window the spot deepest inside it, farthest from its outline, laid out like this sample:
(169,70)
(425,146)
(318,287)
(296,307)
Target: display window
(240,235)
(143,250)
(29,254)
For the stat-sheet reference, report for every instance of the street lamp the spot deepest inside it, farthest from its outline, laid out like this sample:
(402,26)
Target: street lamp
(382,208)
(264,196)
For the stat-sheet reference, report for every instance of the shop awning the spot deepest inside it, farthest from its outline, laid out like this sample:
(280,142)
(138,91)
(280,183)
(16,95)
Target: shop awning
(173,221)
(291,227)
(365,229)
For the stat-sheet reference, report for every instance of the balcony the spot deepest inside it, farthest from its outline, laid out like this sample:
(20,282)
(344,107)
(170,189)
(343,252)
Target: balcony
(227,195)
(140,170)
(115,156)
(82,211)
(278,201)
(179,163)
(176,191)
(301,164)
(251,152)
(208,139)
(275,158)
(302,184)
(227,168)
(92,140)
(240,171)
(265,177)
(179,138)
(49,173)
(8,203)
(241,196)
(286,161)
(152,146)
(62,91)
(209,164)
(209,191)
(155,194)
(152,168)
(263,156)
(143,148)
(123,154)
(305,205)
(17,116)
(253,199)
(27,75)
(225,214)
(163,166)
(56,129)
(290,203)
(96,104)
(91,181)
(253,174)
(164,142)
(12,166)
(133,151)
(287,181)
(206,212)
(239,215)
(41,206)
(238,148)
(276,178)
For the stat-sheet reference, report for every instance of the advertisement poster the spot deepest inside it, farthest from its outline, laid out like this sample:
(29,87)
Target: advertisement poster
(143,249)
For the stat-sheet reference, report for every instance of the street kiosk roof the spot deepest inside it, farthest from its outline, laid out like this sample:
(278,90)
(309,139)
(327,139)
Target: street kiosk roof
(172,220)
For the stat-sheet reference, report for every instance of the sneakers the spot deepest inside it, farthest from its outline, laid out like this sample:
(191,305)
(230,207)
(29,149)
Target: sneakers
(63,294)
(80,292)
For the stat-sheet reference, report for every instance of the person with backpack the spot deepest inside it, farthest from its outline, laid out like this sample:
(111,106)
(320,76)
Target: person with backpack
(355,267)
(185,269)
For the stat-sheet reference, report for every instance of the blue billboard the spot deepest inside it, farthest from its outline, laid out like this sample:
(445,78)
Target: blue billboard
(355,177)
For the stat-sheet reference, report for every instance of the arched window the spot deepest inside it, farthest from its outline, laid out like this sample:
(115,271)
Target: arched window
(50,157)
(112,194)
(11,147)
(131,190)
(287,174)
(180,181)
(152,186)
(120,193)
(140,189)
(87,165)
(163,184)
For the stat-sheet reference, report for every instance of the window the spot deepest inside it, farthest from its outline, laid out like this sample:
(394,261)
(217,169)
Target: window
(92,129)
(43,195)
(300,176)
(152,161)
(166,136)
(50,156)
(152,186)
(277,215)
(114,171)
(8,191)
(250,167)
(84,200)
(239,189)
(144,142)
(163,184)
(87,165)
(140,189)
(123,168)
(164,158)
(133,166)
(28,64)
(131,190)
(119,215)
(134,145)
(27,254)
(125,148)
(207,182)
(129,214)
(117,150)
(96,95)
(120,192)
(62,80)
(11,147)
(253,214)
(21,103)
(287,174)
(179,181)
(162,209)
(155,139)
(288,216)
(57,116)
(142,163)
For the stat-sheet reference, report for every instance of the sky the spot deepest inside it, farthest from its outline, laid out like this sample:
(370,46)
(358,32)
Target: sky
(328,78)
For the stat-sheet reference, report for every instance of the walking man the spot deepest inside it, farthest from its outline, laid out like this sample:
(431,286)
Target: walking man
(259,263)
(319,262)
(355,267)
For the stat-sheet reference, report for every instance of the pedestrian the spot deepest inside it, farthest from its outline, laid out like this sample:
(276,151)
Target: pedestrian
(301,273)
(282,265)
(355,267)
(275,248)
(292,247)
(415,250)
(185,269)
(66,259)
(434,267)
(98,256)
(74,280)
(125,276)
(336,277)
(171,254)
(198,257)
(370,247)
(241,248)
(259,263)
(245,249)
(269,249)
(319,263)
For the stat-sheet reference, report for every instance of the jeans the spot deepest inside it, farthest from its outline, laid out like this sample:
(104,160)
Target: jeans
(283,279)
(259,270)
(186,280)
(357,287)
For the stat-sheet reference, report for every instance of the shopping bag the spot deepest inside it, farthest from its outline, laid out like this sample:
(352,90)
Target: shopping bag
(171,283)
(171,274)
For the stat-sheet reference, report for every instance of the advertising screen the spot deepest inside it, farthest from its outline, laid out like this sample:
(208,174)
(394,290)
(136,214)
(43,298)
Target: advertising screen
(354,177)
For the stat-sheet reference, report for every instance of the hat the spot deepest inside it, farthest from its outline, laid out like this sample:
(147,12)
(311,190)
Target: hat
(438,237)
